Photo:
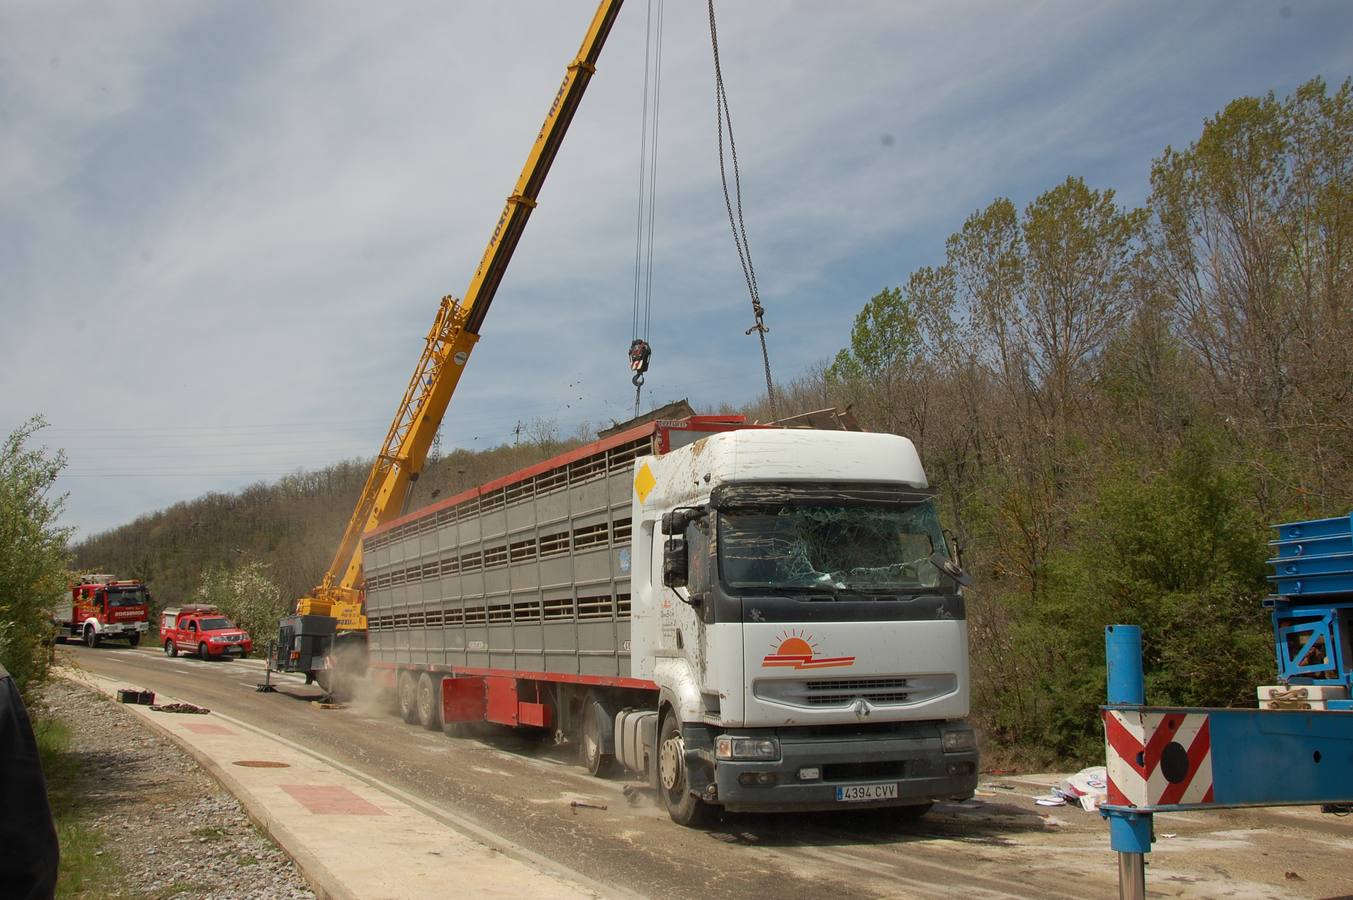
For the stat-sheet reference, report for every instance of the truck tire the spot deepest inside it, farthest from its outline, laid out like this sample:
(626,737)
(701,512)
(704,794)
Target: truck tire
(202,651)
(590,740)
(170,649)
(429,702)
(91,637)
(684,807)
(134,639)
(407,689)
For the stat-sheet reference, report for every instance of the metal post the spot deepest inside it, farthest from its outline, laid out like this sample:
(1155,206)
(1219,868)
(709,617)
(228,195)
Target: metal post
(267,687)
(1129,833)
(1123,650)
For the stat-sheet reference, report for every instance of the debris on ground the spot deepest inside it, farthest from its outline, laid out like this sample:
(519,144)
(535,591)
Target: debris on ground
(1089,787)
(579,804)
(181,708)
(135,695)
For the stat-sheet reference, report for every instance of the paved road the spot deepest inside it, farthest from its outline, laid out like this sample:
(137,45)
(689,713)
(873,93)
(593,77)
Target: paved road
(1001,845)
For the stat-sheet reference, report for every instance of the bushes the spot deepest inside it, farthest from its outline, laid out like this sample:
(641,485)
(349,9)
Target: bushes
(247,596)
(1174,547)
(33,553)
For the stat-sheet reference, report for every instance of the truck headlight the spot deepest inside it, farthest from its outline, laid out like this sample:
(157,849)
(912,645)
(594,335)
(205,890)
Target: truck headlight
(959,740)
(727,747)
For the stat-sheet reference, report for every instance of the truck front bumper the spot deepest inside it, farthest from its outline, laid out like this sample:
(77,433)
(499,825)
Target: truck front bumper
(122,628)
(913,760)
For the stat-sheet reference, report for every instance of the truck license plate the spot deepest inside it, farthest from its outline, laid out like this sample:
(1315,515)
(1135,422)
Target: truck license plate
(857,792)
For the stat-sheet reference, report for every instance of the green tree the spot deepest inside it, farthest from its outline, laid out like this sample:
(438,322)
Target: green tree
(247,596)
(883,369)
(1252,249)
(33,552)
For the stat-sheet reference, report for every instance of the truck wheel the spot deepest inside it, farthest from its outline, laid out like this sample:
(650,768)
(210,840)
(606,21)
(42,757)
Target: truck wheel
(408,700)
(590,741)
(170,649)
(684,807)
(134,639)
(91,637)
(202,651)
(430,702)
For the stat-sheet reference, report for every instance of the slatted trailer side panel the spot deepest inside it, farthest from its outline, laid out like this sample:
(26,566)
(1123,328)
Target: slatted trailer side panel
(526,574)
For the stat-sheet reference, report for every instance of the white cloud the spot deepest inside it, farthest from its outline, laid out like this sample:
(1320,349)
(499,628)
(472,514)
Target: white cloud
(216,217)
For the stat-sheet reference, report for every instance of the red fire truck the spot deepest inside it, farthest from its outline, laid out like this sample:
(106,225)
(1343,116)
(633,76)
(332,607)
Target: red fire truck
(100,606)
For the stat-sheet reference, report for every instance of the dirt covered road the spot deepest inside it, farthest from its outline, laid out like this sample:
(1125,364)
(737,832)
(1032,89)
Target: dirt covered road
(999,845)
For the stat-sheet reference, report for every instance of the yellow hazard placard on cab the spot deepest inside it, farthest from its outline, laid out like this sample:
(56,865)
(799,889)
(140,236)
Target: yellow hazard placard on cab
(644,482)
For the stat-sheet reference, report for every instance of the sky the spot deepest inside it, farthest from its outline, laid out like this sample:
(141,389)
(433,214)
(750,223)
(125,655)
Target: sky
(225,227)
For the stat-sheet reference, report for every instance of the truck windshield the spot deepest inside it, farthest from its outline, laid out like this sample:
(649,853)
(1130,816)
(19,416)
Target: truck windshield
(215,624)
(134,597)
(831,547)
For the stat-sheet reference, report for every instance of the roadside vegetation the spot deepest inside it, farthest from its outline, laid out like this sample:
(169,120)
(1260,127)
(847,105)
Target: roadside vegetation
(87,868)
(1114,402)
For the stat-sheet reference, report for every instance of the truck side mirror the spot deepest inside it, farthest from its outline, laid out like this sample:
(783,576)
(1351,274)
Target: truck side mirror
(955,551)
(675,562)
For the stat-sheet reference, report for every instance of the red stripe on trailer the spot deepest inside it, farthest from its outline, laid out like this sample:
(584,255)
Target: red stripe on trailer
(558,677)
(700,424)
(562,678)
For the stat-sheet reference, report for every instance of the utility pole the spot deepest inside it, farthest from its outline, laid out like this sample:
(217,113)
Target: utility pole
(517,434)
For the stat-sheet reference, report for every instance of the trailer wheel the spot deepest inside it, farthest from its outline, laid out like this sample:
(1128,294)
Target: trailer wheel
(429,702)
(134,639)
(684,807)
(590,740)
(407,689)
(91,637)
(170,649)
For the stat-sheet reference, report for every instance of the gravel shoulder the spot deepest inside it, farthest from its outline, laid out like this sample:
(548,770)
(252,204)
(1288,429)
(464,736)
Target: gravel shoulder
(171,830)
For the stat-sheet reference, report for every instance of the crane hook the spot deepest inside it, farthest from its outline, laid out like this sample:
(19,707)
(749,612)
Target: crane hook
(640,352)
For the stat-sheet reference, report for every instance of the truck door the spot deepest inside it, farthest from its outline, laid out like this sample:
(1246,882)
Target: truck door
(189,636)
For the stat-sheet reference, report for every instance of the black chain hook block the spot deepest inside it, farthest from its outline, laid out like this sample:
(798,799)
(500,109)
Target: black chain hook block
(639,354)
(758,311)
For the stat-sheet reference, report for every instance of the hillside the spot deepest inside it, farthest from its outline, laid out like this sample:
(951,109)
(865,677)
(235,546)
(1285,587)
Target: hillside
(1114,402)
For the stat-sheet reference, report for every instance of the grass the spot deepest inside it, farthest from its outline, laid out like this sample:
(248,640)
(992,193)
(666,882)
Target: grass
(87,869)
(211,832)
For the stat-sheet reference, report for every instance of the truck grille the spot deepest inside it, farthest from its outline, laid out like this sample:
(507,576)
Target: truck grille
(840,693)
(876,690)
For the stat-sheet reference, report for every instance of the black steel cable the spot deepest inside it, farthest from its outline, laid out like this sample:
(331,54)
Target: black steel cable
(643,162)
(653,169)
(723,116)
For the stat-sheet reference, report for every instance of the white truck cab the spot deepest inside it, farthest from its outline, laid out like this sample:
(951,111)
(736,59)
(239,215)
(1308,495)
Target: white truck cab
(797,604)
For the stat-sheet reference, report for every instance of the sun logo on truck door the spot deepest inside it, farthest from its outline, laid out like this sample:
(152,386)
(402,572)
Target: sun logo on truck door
(795,649)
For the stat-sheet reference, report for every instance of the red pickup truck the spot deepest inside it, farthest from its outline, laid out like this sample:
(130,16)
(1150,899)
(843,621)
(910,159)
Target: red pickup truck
(202,630)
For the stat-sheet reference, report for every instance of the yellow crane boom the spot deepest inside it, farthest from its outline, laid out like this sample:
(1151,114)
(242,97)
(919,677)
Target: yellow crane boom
(449,343)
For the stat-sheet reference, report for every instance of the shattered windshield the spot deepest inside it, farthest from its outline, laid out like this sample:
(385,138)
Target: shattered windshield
(831,547)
